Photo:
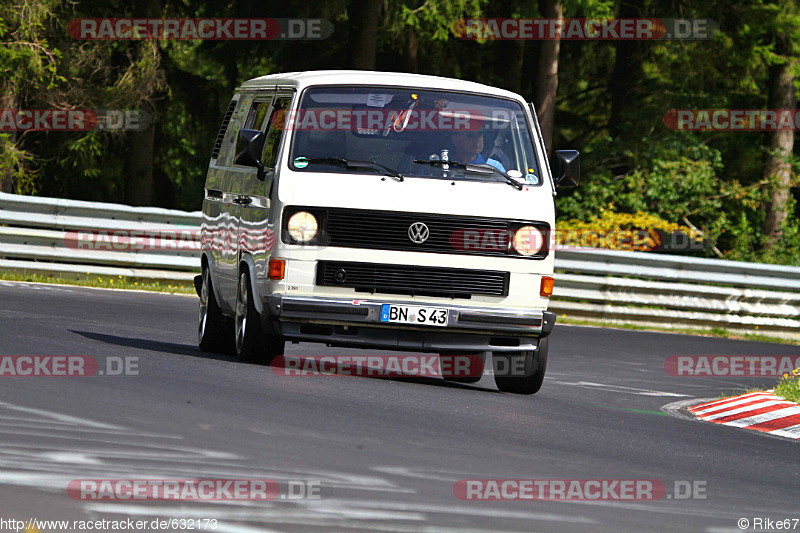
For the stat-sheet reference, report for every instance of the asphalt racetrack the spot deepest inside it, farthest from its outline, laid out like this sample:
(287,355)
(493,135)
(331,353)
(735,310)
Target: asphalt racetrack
(384,454)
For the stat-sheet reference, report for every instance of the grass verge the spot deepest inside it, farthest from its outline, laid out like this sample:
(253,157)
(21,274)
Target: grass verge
(733,394)
(789,386)
(106,282)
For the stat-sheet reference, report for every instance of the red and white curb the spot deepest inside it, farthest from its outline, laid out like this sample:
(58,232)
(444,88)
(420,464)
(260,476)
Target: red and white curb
(760,411)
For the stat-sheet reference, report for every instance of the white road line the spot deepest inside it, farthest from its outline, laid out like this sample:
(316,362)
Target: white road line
(429,475)
(59,426)
(500,511)
(223,527)
(618,388)
(58,416)
(70,457)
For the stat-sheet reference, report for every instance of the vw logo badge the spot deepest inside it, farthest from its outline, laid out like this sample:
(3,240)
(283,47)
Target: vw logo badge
(418,232)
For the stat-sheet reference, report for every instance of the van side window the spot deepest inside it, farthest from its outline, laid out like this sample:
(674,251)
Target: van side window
(254,121)
(276,128)
(223,128)
(258,113)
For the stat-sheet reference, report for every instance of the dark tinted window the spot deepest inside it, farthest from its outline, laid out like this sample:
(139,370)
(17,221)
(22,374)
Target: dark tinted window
(254,121)
(275,133)
(222,129)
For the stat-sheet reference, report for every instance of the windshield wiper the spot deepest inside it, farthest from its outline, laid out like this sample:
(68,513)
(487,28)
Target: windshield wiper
(350,163)
(471,167)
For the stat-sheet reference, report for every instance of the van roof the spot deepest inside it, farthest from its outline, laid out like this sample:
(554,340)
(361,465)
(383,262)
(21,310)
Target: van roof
(301,80)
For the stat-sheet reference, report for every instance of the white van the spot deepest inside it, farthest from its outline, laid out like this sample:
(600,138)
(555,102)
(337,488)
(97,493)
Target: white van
(381,210)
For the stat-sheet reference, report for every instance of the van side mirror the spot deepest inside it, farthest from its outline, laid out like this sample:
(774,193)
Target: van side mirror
(253,148)
(566,169)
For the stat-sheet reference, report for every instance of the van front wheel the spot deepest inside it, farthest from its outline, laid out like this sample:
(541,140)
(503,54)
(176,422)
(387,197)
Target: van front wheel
(253,345)
(520,372)
(214,330)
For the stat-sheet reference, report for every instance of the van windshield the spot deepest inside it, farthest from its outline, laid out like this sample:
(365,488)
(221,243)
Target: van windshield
(395,127)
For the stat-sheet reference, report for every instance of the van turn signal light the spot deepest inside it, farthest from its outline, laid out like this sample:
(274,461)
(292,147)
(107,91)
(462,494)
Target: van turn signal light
(277,269)
(546,288)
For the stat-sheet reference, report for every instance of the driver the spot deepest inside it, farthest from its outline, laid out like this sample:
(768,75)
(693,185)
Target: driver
(467,148)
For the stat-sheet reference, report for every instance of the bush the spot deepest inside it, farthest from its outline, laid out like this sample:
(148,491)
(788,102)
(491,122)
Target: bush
(620,231)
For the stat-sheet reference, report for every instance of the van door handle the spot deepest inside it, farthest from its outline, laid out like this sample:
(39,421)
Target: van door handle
(243,200)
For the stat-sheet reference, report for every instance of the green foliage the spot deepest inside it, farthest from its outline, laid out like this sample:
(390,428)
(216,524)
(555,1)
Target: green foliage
(747,242)
(789,386)
(26,54)
(15,164)
(436,21)
(676,180)
(619,231)
(647,172)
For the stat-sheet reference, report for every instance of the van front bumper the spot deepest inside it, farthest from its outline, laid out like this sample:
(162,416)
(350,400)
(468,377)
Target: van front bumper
(357,323)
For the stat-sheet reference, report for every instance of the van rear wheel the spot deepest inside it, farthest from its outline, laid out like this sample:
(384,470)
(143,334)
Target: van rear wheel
(253,344)
(520,372)
(214,329)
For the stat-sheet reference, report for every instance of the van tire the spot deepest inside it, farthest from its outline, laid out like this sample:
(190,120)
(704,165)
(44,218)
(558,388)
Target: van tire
(214,329)
(535,365)
(253,344)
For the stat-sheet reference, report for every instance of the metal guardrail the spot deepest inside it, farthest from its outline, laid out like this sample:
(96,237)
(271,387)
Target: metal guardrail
(677,291)
(40,235)
(627,287)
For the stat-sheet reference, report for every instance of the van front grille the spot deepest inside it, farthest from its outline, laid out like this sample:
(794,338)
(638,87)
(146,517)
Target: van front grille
(391,230)
(412,280)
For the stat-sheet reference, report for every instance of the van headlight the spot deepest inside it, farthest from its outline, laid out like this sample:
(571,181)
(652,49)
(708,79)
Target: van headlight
(528,240)
(303,226)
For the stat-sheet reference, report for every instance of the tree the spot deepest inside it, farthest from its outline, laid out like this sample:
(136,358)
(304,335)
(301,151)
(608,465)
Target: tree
(546,82)
(547,73)
(363,16)
(424,36)
(778,166)
(27,70)
(628,71)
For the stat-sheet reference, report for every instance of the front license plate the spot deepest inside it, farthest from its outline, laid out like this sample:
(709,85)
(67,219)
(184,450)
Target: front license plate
(407,314)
